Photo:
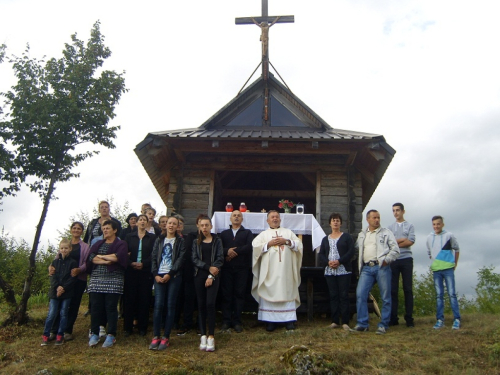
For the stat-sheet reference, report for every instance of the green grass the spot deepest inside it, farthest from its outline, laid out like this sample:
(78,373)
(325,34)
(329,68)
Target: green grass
(421,350)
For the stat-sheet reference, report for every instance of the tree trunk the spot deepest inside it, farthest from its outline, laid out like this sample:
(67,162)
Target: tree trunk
(20,315)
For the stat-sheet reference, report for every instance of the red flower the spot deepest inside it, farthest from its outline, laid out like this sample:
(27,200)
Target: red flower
(280,205)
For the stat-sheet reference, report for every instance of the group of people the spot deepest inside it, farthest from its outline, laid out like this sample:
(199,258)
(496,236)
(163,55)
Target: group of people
(182,268)
(384,256)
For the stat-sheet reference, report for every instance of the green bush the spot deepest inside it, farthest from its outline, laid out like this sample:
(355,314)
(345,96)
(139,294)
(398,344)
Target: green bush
(14,262)
(488,290)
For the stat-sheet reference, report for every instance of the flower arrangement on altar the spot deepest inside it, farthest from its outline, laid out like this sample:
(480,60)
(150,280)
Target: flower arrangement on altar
(286,205)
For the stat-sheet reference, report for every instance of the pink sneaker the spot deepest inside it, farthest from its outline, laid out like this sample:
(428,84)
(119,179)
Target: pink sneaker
(164,344)
(155,343)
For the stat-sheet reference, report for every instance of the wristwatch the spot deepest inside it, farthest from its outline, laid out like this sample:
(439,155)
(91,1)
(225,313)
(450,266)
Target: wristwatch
(288,242)
(211,277)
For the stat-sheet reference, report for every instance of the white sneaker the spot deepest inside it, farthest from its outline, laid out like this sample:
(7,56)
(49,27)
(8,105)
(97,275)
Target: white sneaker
(210,344)
(203,343)
(102,332)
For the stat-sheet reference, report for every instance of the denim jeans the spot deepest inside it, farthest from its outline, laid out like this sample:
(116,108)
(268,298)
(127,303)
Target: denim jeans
(57,306)
(403,267)
(448,277)
(74,306)
(165,294)
(367,278)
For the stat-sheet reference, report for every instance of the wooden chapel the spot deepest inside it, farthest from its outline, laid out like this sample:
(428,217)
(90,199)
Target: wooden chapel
(263,146)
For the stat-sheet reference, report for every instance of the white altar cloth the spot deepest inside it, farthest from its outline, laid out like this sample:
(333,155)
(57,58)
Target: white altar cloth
(257,222)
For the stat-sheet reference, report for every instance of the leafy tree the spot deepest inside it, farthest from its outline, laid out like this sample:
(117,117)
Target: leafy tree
(55,108)
(488,290)
(9,174)
(118,211)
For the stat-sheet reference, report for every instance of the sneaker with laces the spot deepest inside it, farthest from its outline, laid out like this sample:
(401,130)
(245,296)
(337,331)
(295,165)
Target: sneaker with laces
(109,342)
(381,330)
(439,324)
(210,344)
(59,340)
(155,343)
(203,343)
(359,329)
(94,340)
(102,332)
(164,344)
(456,324)
(45,340)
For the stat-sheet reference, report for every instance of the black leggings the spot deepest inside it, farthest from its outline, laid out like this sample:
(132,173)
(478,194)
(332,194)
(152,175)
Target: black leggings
(206,301)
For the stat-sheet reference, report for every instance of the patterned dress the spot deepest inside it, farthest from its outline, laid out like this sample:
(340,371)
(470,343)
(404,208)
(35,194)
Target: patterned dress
(103,281)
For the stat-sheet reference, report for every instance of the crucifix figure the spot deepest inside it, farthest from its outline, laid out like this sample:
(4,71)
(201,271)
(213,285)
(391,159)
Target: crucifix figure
(264,22)
(280,248)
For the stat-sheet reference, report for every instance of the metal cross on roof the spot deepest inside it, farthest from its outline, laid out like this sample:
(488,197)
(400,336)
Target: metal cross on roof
(264,22)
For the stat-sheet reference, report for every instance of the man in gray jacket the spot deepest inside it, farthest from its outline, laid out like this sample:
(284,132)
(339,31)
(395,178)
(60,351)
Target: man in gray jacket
(377,249)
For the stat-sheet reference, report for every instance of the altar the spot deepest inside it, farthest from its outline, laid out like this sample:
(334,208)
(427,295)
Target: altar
(257,223)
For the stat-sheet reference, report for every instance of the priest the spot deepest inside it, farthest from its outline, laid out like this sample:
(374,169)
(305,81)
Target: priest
(277,258)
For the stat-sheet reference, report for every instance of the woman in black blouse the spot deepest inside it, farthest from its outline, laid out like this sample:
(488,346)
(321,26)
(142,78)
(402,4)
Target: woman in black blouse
(208,258)
(337,249)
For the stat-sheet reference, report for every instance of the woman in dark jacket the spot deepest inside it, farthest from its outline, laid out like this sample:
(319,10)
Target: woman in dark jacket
(166,266)
(132,225)
(138,277)
(107,261)
(208,258)
(337,249)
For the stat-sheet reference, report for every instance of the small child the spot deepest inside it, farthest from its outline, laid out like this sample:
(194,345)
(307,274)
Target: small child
(443,244)
(60,292)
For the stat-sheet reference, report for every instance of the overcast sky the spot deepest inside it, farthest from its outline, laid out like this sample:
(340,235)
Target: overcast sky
(424,74)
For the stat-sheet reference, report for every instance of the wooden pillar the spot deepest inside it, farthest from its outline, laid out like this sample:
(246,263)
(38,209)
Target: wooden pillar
(211,194)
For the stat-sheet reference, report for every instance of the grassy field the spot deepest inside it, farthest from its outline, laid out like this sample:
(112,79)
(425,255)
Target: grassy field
(475,349)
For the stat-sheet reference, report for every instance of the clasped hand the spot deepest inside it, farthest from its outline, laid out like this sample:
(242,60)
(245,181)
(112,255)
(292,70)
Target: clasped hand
(280,241)
(333,263)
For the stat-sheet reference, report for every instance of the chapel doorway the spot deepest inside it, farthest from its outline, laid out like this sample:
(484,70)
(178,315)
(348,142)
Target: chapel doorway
(263,190)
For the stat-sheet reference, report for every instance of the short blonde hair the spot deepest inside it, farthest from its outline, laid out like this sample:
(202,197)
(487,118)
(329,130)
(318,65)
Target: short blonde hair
(65,241)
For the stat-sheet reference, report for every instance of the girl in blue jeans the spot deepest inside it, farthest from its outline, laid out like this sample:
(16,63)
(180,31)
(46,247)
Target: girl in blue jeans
(166,265)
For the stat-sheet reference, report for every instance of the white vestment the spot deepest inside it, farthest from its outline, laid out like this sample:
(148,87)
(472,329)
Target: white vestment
(276,276)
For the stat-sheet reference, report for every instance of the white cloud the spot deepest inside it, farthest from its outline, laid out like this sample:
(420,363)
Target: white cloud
(424,74)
